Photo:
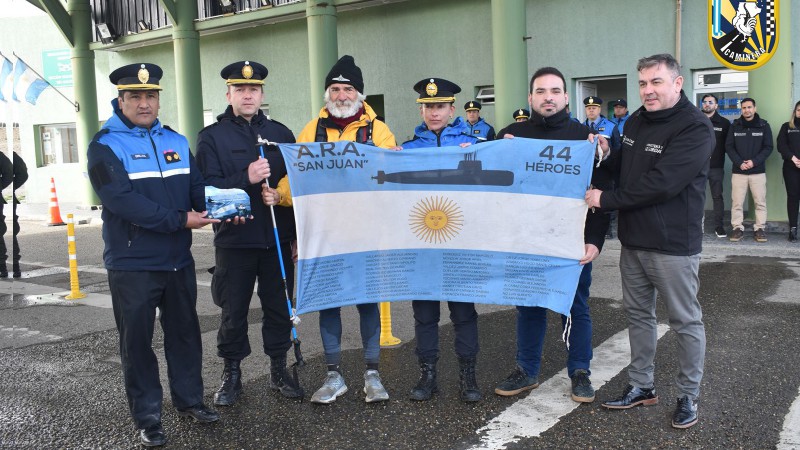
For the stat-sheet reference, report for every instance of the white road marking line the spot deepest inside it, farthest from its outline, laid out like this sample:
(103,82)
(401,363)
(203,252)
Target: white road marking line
(21,332)
(790,435)
(542,408)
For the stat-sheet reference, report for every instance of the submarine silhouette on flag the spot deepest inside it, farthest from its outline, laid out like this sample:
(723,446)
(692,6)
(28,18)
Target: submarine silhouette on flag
(469,172)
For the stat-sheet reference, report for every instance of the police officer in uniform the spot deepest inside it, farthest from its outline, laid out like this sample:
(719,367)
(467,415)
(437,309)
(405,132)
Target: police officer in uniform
(521,115)
(620,114)
(598,122)
(478,127)
(153,196)
(228,154)
(436,98)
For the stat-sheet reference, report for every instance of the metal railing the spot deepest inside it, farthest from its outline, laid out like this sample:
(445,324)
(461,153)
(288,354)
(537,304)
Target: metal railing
(124,17)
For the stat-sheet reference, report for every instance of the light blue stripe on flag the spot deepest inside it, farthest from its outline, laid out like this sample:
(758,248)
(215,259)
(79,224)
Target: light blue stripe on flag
(500,222)
(6,80)
(27,84)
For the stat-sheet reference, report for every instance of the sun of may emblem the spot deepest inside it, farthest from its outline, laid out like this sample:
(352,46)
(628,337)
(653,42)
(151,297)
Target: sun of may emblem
(436,219)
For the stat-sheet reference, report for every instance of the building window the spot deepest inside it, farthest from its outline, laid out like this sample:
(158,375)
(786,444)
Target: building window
(485,95)
(59,144)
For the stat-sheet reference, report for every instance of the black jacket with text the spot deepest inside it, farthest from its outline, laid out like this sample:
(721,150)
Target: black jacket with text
(749,139)
(721,127)
(663,172)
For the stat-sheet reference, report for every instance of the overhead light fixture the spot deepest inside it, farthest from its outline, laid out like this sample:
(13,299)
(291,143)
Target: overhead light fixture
(144,25)
(228,7)
(106,32)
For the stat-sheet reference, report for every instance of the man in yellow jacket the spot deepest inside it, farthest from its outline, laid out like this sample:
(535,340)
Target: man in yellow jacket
(345,117)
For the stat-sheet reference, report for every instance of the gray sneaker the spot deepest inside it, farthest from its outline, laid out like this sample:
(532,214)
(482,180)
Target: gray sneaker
(373,387)
(582,390)
(332,387)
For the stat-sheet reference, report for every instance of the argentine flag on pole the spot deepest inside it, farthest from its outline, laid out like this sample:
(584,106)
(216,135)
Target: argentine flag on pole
(6,80)
(27,85)
(500,222)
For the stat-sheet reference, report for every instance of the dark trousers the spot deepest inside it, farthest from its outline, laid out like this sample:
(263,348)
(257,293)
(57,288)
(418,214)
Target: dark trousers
(715,177)
(135,296)
(426,328)
(532,327)
(232,289)
(15,247)
(791,177)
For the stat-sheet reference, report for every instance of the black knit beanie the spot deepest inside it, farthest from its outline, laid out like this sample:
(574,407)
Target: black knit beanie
(345,71)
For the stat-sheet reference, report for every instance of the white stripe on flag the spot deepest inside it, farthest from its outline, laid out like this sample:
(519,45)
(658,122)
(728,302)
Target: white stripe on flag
(491,221)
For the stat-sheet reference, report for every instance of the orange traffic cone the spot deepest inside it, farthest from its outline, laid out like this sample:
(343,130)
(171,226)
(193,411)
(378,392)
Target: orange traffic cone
(55,213)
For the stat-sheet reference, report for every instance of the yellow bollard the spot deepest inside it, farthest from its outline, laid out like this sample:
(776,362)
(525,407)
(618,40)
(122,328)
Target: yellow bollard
(387,340)
(74,284)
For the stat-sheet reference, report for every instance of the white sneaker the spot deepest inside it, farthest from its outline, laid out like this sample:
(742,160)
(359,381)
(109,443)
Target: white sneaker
(373,387)
(332,387)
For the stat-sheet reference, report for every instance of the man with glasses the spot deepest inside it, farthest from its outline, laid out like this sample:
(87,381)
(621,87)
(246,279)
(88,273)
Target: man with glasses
(716,172)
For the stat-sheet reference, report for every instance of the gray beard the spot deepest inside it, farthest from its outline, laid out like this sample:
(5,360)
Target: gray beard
(349,109)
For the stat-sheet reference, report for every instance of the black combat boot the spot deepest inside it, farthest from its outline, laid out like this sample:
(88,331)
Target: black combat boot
(469,385)
(280,380)
(426,386)
(793,234)
(231,385)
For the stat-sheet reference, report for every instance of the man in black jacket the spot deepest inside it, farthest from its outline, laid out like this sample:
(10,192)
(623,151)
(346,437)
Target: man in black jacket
(716,171)
(550,120)
(660,199)
(229,156)
(749,143)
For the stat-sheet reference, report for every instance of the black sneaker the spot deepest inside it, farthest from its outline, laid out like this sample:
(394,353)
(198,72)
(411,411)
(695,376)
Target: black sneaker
(736,235)
(685,414)
(582,390)
(633,396)
(516,382)
(720,232)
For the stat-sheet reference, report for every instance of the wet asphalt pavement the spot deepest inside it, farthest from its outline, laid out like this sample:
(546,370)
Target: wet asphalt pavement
(61,385)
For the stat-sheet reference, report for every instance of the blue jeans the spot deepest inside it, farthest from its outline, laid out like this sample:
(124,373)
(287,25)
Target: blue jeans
(532,324)
(330,327)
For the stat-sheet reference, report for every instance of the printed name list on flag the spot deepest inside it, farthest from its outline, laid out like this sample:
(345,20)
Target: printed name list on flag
(500,222)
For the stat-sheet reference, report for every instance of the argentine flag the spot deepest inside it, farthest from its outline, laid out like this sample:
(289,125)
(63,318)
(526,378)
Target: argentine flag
(27,84)
(6,80)
(501,222)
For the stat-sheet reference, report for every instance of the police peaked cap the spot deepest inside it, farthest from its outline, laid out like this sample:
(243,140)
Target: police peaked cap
(619,102)
(474,105)
(244,72)
(592,101)
(521,114)
(345,71)
(137,77)
(436,90)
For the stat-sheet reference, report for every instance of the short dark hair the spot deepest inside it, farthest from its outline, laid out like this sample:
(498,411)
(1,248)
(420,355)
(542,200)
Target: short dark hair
(747,99)
(548,71)
(662,58)
(716,100)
